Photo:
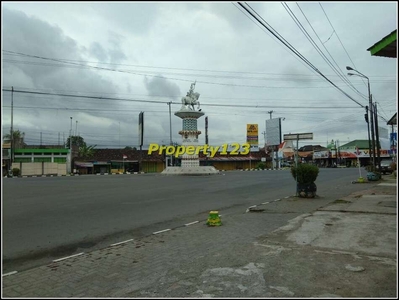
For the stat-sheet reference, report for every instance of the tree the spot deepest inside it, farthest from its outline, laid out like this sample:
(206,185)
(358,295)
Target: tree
(130,148)
(76,141)
(18,139)
(86,151)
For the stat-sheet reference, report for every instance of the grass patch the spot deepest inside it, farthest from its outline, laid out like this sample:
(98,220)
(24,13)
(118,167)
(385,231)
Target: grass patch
(342,201)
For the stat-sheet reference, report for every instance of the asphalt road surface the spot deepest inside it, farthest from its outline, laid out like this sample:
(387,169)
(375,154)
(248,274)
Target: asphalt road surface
(45,218)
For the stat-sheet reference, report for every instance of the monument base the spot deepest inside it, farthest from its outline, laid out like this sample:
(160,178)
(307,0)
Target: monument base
(200,170)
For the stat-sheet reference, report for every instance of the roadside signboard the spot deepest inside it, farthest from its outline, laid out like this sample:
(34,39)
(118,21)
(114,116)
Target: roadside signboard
(298,136)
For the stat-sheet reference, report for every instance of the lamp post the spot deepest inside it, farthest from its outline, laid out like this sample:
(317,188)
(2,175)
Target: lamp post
(170,131)
(371,118)
(12,146)
(70,148)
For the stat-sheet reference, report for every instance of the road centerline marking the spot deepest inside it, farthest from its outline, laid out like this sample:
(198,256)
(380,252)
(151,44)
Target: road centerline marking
(121,242)
(60,259)
(160,231)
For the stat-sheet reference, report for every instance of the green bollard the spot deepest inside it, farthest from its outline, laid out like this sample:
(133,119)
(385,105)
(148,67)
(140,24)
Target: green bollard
(214,219)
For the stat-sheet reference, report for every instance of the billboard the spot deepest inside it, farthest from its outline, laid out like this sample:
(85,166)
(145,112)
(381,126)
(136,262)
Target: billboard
(141,129)
(273,132)
(298,136)
(383,133)
(252,134)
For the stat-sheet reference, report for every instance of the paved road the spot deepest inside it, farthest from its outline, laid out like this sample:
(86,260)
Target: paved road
(47,218)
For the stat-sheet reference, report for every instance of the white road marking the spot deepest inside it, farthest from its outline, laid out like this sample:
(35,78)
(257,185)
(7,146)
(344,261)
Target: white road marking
(188,224)
(56,260)
(10,273)
(121,242)
(161,231)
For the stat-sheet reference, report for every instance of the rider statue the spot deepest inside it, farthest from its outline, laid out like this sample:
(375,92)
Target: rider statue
(190,99)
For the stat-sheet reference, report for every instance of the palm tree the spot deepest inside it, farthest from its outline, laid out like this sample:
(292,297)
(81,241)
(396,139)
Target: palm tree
(86,151)
(18,139)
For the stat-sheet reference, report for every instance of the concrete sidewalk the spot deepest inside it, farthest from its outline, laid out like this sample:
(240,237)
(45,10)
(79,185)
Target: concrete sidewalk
(347,248)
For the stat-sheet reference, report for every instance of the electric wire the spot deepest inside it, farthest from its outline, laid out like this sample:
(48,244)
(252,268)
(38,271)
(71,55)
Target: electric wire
(341,75)
(296,52)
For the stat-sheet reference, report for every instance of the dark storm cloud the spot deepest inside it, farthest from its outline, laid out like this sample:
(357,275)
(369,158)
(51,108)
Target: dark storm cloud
(29,35)
(32,36)
(98,51)
(116,54)
(161,87)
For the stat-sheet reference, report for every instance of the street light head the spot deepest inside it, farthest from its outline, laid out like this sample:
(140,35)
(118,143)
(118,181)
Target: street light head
(351,74)
(348,68)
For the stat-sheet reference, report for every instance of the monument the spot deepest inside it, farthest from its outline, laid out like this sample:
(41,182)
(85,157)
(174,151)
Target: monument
(190,162)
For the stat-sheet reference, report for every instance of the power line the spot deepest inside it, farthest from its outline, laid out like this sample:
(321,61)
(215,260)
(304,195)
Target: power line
(296,52)
(341,75)
(183,69)
(78,93)
(157,102)
(156,76)
(340,40)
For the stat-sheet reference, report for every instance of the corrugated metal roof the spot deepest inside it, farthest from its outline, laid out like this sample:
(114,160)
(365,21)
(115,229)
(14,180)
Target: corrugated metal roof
(361,144)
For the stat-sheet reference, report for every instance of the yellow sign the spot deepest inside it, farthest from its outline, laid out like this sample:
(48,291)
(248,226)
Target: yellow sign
(252,129)
(252,134)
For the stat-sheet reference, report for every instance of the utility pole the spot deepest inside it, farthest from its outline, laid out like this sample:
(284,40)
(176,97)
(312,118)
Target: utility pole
(264,137)
(70,149)
(271,112)
(206,137)
(40,139)
(377,137)
(58,138)
(12,130)
(76,129)
(366,116)
(170,131)
(371,107)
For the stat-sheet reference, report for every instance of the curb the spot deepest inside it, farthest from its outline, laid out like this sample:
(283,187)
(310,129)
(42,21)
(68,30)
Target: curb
(68,175)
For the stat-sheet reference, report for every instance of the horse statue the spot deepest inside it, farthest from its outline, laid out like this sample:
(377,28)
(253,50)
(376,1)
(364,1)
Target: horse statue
(191,99)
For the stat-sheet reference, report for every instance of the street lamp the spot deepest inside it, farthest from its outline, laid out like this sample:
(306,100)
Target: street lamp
(170,131)
(371,115)
(70,148)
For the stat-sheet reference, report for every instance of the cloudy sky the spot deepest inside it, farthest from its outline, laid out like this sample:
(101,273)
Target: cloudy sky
(103,63)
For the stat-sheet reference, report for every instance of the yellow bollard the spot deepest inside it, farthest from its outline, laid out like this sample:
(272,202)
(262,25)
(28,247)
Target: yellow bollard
(214,218)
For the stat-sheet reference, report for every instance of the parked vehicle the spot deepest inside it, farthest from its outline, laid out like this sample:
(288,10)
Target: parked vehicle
(386,166)
(286,164)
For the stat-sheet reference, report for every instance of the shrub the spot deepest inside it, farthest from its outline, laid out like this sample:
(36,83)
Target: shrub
(261,165)
(15,172)
(393,166)
(306,173)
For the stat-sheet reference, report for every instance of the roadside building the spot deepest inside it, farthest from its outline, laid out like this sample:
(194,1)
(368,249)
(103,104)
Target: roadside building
(41,161)
(6,158)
